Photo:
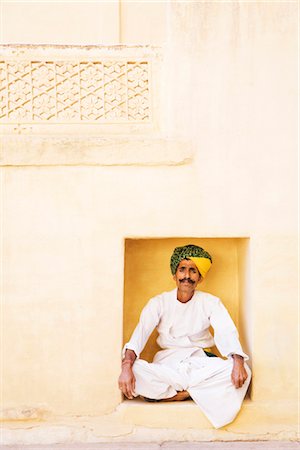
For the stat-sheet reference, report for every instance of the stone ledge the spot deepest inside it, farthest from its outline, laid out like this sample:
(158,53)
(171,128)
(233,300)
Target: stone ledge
(169,445)
(254,418)
(68,151)
(138,421)
(44,51)
(165,415)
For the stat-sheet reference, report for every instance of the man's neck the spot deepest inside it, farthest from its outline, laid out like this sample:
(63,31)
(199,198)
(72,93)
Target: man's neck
(184,296)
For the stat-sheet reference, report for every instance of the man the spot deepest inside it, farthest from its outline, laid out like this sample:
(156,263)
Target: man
(183,368)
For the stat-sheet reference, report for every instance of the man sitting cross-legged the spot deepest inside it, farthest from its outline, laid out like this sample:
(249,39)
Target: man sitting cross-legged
(183,368)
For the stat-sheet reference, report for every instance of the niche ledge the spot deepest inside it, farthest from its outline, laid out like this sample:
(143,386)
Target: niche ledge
(177,415)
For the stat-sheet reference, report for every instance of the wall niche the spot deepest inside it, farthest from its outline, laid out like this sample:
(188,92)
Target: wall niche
(147,273)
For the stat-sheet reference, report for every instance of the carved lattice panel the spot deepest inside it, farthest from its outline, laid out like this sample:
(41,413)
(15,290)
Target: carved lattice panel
(3,96)
(43,92)
(115,92)
(72,91)
(138,92)
(92,91)
(18,91)
(67,91)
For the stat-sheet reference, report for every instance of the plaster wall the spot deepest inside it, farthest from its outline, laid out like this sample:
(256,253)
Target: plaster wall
(242,134)
(85,23)
(229,92)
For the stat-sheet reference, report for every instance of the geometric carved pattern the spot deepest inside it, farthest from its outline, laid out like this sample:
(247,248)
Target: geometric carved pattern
(74,91)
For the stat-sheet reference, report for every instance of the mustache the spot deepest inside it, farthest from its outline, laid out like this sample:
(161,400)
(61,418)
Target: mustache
(187,279)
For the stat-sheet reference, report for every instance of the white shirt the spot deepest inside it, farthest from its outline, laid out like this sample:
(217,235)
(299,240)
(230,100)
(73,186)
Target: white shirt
(184,327)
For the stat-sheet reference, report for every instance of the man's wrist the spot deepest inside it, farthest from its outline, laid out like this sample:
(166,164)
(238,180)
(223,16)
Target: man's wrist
(127,363)
(129,359)
(238,358)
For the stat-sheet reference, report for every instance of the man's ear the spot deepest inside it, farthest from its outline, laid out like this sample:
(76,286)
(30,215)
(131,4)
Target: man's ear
(174,277)
(200,279)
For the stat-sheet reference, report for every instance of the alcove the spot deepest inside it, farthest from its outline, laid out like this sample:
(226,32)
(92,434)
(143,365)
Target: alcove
(147,273)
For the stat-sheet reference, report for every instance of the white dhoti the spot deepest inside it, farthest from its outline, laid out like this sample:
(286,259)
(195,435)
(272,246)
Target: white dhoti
(182,364)
(207,380)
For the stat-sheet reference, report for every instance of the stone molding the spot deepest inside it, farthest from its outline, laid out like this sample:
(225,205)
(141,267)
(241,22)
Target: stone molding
(110,151)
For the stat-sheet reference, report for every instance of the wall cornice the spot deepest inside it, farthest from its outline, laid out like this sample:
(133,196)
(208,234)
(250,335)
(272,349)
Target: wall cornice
(108,151)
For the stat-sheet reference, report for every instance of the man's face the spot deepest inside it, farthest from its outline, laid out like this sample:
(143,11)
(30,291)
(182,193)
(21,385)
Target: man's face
(187,275)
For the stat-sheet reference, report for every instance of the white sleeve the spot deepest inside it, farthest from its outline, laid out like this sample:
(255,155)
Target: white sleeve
(226,335)
(149,319)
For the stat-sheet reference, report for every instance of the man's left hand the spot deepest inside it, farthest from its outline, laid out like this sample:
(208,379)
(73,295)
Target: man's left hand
(238,374)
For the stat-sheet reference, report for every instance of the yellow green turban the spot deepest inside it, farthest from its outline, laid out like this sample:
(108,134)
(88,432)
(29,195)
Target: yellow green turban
(198,255)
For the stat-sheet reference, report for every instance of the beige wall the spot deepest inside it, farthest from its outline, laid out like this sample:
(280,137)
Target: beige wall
(85,23)
(241,112)
(229,83)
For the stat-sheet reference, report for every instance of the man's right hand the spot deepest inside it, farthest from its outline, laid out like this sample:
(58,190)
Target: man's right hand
(127,381)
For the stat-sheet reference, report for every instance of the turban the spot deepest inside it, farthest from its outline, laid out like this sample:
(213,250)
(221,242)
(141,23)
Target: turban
(198,255)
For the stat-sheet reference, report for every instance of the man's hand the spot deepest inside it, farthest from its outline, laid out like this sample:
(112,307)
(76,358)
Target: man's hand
(127,381)
(238,374)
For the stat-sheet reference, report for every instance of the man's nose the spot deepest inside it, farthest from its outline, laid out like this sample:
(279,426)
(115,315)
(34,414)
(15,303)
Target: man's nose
(186,273)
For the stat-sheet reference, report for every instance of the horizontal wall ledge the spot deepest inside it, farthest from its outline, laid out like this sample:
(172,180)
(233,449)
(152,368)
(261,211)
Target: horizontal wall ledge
(67,151)
(138,421)
(45,51)
(255,420)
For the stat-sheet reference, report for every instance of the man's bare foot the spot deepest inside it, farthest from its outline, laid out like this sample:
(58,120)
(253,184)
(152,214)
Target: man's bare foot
(179,397)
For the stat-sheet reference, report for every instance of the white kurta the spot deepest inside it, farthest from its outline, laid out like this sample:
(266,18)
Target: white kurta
(182,364)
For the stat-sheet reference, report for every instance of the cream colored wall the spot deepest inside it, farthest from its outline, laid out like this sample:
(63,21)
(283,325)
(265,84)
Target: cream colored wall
(242,116)
(85,23)
(245,311)
(143,22)
(230,82)
(65,23)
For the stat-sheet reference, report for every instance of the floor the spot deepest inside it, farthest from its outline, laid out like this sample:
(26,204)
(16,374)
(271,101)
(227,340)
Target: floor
(262,445)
